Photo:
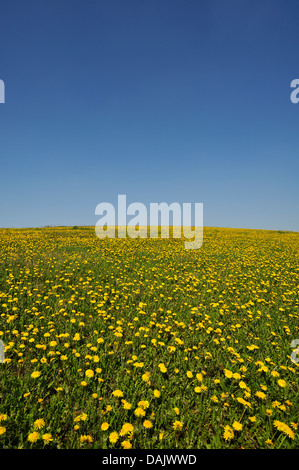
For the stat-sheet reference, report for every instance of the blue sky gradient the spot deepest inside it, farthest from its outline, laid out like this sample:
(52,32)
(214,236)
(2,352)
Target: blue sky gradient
(164,101)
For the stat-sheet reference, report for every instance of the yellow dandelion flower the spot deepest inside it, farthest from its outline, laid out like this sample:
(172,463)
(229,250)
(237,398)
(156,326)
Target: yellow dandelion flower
(89,373)
(282,383)
(261,395)
(177,425)
(236,375)
(228,433)
(113,437)
(139,412)
(243,402)
(162,368)
(284,428)
(237,426)
(39,423)
(145,377)
(35,374)
(143,404)
(84,438)
(83,416)
(126,429)
(126,445)
(147,424)
(47,437)
(33,436)
(228,373)
(126,405)
(274,373)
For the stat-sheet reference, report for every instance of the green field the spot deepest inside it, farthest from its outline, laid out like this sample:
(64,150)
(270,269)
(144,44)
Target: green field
(139,343)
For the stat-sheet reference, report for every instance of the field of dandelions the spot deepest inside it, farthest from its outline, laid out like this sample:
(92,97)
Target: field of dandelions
(142,344)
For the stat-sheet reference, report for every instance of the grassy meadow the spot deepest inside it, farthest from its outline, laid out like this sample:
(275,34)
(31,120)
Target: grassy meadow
(142,344)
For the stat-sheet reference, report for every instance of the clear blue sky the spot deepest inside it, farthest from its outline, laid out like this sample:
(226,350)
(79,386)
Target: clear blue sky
(164,101)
